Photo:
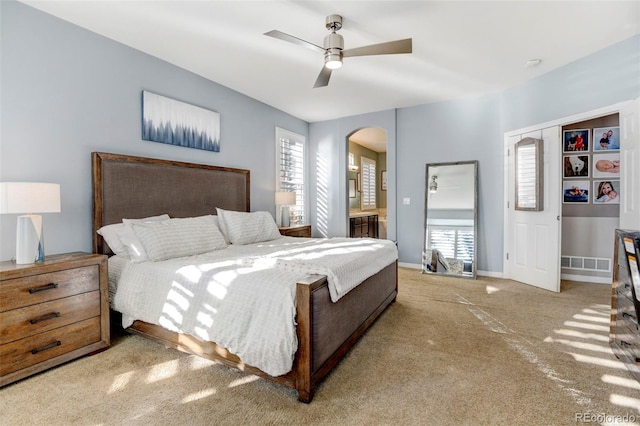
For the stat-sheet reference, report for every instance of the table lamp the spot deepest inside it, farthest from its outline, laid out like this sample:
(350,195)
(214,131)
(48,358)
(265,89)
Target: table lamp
(284,200)
(29,198)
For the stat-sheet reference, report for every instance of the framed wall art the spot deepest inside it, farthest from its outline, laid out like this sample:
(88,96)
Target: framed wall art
(575,140)
(575,166)
(606,139)
(606,166)
(606,192)
(173,122)
(575,191)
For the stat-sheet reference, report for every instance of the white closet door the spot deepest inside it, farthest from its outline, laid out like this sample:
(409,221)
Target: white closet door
(533,237)
(630,165)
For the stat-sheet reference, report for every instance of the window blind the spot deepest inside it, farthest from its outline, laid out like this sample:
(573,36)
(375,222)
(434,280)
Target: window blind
(455,242)
(368,176)
(291,171)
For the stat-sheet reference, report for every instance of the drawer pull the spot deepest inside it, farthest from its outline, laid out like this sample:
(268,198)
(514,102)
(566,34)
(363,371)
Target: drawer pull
(49,286)
(45,347)
(45,317)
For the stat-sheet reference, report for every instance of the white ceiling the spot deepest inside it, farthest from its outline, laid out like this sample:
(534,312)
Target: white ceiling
(460,48)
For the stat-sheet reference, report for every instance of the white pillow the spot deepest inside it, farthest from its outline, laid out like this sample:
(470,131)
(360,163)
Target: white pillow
(110,233)
(247,228)
(179,237)
(221,227)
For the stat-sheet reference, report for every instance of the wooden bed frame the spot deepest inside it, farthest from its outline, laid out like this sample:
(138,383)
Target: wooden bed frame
(133,187)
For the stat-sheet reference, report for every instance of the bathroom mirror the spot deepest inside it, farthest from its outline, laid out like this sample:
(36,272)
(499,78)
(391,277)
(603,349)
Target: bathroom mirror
(450,220)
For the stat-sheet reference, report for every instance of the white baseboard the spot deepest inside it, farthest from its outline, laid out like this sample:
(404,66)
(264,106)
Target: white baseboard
(490,274)
(479,273)
(586,279)
(410,265)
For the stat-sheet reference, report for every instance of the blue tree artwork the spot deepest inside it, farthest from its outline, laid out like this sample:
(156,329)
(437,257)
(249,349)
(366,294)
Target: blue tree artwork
(170,121)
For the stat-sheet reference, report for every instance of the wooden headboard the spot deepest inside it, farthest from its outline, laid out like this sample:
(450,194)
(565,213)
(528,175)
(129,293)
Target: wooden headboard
(124,186)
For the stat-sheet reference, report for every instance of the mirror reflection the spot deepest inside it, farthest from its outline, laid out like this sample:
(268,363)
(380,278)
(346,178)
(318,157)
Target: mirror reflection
(450,219)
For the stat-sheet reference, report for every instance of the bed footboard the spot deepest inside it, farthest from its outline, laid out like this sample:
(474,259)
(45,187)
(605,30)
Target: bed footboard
(327,330)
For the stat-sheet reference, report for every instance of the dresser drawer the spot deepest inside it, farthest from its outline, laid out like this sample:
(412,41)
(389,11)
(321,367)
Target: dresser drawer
(41,347)
(302,232)
(29,290)
(20,323)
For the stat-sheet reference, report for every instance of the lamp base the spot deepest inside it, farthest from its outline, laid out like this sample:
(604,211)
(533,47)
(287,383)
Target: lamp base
(29,239)
(286,219)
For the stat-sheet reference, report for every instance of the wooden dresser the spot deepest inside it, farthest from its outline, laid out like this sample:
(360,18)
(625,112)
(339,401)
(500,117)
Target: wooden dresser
(51,312)
(296,231)
(624,335)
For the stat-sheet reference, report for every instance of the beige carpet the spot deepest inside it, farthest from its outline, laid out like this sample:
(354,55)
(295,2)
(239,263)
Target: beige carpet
(449,351)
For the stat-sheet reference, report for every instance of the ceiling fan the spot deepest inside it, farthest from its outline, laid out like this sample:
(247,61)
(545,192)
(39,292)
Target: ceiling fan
(333,49)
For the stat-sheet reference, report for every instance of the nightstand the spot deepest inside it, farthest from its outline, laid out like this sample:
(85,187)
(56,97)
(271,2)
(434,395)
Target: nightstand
(51,312)
(296,231)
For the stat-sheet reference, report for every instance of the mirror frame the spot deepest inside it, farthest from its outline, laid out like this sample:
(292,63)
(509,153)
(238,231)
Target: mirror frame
(536,164)
(474,268)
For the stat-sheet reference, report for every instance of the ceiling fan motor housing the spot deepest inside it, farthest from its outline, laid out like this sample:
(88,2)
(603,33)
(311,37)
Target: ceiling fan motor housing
(333,43)
(333,22)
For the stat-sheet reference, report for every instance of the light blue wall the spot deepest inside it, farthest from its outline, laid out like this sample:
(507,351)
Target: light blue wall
(473,129)
(463,130)
(604,78)
(67,92)
(328,149)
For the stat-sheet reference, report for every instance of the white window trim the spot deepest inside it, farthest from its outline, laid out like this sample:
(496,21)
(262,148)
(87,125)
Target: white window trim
(287,134)
(365,164)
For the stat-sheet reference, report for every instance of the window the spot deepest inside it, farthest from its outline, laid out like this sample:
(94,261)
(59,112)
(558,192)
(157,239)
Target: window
(290,171)
(455,242)
(368,195)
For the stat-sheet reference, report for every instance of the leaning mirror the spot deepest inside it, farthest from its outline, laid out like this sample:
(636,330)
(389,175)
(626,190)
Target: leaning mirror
(450,221)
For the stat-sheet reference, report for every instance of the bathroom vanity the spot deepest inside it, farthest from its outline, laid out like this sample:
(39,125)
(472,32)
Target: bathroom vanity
(363,224)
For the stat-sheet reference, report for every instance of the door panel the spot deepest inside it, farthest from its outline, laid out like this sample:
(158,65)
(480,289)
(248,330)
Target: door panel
(533,237)
(630,165)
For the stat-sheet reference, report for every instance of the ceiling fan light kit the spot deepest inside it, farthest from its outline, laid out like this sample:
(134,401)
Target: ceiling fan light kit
(333,49)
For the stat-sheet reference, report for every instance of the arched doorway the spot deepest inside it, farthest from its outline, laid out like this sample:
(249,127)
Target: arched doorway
(366,175)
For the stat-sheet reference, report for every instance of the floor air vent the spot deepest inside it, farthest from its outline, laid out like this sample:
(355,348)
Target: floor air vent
(586,263)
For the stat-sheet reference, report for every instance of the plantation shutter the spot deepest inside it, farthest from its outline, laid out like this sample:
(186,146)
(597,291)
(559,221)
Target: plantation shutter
(455,242)
(368,195)
(291,171)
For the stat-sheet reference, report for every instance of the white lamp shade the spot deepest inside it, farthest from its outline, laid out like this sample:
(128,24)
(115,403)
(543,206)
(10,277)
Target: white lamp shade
(29,197)
(285,198)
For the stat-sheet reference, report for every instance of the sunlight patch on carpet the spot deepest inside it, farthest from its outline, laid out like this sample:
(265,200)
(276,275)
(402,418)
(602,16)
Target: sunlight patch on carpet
(120,382)
(163,371)
(491,289)
(621,381)
(609,363)
(579,345)
(199,395)
(198,363)
(625,401)
(243,381)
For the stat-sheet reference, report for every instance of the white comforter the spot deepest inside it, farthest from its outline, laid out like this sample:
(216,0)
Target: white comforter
(243,297)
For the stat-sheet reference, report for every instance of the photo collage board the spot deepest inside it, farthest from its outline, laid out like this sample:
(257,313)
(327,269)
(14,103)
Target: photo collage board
(591,166)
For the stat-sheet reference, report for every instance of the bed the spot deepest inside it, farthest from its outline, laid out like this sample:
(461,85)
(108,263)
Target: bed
(137,187)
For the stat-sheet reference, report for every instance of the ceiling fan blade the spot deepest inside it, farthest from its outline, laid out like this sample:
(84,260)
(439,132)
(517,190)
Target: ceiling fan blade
(388,48)
(323,78)
(295,40)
